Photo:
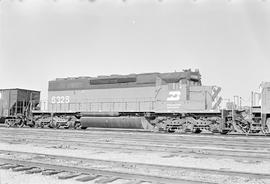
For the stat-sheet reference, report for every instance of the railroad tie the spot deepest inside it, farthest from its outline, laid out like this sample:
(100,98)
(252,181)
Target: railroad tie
(22,168)
(2,164)
(33,171)
(106,179)
(134,182)
(68,176)
(88,178)
(50,172)
(9,166)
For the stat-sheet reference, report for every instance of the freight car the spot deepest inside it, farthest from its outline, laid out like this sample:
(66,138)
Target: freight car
(16,105)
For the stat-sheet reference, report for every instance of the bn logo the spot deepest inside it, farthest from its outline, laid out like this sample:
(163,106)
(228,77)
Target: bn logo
(174,96)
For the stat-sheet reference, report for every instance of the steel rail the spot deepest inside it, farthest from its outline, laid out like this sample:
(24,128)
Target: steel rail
(160,135)
(169,138)
(167,142)
(218,152)
(151,166)
(147,133)
(149,147)
(124,175)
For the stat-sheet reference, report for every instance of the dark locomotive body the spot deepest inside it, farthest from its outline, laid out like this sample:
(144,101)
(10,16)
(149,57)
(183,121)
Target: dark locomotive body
(174,101)
(149,92)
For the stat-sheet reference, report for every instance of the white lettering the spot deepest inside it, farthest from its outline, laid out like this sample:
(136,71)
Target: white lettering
(67,99)
(53,99)
(60,99)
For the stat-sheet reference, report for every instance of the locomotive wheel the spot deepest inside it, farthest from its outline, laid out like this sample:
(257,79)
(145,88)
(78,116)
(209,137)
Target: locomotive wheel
(170,130)
(21,124)
(41,125)
(36,125)
(50,125)
(77,125)
(68,125)
(56,125)
(225,131)
(31,125)
(7,123)
(197,131)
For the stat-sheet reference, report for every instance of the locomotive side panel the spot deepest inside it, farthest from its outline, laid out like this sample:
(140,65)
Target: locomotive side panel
(186,99)
(115,99)
(137,99)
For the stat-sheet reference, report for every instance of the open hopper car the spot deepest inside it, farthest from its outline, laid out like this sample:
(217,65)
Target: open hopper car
(16,105)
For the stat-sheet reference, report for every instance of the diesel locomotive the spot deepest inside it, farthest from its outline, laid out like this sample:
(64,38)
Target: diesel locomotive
(172,102)
(156,100)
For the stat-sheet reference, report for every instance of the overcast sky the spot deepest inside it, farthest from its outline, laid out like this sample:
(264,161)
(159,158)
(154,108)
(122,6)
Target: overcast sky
(228,41)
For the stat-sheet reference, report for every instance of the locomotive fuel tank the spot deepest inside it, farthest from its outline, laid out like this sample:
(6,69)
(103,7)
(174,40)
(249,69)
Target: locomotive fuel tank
(116,122)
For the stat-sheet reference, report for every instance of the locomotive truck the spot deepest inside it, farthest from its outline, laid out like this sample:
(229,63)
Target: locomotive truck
(172,102)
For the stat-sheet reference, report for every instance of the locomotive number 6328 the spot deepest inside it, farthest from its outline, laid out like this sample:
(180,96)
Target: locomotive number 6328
(60,99)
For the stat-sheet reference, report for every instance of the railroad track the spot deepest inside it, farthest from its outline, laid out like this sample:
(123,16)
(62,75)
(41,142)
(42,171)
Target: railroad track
(174,142)
(143,135)
(146,145)
(46,166)
(132,144)
(145,140)
(116,130)
(181,143)
(87,174)
(261,144)
(111,131)
(204,152)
